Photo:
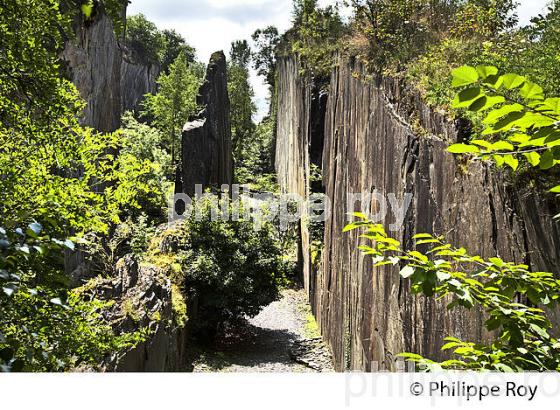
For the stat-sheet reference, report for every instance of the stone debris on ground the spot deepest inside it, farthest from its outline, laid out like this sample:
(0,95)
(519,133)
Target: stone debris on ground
(275,341)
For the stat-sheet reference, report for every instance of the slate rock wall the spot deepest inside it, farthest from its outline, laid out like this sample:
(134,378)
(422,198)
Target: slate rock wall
(380,136)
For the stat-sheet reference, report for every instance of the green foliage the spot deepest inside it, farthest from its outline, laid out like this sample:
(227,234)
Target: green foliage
(397,31)
(240,53)
(522,339)
(154,45)
(315,36)
(230,269)
(174,103)
(519,123)
(264,58)
(175,44)
(254,164)
(43,327)
(52,168)
(68,179)
(242,107)
(143,36)
(146,145)
(483,34)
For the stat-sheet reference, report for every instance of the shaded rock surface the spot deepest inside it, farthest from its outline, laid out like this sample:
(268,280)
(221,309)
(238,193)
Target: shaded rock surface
(138,78)
(93,62)
(110,77)
(382,138)
(206,142)
(292,146)
(143,300)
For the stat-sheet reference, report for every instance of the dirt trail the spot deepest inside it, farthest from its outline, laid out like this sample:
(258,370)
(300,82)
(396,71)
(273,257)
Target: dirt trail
(282,338)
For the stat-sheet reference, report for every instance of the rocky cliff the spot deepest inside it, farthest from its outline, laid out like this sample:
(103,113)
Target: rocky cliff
(292,146)
(142,298)
(110,77)
(138,78)
(380,137)
(206,142)
(93,60)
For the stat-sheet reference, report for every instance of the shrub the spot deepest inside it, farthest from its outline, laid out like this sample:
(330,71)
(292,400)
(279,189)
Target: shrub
(229,270)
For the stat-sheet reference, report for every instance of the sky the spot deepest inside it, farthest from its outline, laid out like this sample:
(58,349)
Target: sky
(211,25)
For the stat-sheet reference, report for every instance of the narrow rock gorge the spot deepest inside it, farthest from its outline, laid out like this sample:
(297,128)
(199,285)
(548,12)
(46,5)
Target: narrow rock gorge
(379,136)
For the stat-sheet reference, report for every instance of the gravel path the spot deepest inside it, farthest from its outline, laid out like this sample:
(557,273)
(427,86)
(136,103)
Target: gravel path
(282,338)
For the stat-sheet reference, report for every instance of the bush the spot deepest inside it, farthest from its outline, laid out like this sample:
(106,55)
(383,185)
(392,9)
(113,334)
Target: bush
(229,270)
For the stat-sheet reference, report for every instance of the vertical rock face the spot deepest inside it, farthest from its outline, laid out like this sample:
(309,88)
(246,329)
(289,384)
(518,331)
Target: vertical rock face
(94,64)
(292,145)
(206,145)
(138,78)
(299,144)
(368,315)
(109,77)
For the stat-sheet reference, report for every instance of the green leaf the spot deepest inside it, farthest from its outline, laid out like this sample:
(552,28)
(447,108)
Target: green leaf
(511,161)
(467,97)
(533,158)
(547,160)
(498,113)
(555,190)
(486,102)
(532,91)
(463,149)
(498,159)
(485,71)
(360,215)
(502,146)
(411,356)
(465,75)
(551,105)
(497,261)
(506,123)
(422,236)
(540,331)
(482,143)
(512,81)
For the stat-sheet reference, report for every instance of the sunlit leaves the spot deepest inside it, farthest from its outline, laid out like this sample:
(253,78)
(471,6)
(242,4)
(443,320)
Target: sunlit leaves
(520,127)
(465,75)
(463,149)
(87,9)
(531,91)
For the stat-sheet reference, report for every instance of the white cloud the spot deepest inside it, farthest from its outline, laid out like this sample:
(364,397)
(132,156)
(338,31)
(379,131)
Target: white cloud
(531,8)
(211,25)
